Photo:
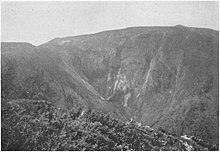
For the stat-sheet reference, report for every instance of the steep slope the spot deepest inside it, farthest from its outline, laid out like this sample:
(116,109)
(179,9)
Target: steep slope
(45,75)
(158,76)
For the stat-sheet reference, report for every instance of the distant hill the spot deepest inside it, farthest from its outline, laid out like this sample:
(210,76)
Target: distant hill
(16,46)
(157,76)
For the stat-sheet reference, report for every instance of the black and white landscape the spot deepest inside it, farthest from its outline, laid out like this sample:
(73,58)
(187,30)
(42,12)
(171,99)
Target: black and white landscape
(137,88)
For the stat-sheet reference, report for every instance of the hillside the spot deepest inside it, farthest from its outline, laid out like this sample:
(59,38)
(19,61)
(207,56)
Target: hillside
(157,76)
(38,125)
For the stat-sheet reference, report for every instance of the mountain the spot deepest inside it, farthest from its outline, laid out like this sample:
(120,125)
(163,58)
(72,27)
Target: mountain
(157,76)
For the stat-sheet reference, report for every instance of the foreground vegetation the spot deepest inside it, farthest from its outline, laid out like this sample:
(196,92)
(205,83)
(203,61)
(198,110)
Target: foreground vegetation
(37,125)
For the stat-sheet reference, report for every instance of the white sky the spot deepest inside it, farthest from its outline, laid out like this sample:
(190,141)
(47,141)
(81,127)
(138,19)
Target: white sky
(39,22)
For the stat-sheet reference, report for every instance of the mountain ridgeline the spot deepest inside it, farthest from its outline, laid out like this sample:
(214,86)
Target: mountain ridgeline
(157,76)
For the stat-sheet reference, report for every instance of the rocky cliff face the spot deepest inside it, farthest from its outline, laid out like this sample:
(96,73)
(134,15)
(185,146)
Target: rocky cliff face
(158,76)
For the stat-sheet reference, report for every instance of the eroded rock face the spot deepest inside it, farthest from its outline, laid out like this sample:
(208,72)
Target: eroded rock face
(158,76)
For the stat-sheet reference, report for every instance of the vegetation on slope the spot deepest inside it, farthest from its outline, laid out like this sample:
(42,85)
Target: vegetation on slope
(37,125)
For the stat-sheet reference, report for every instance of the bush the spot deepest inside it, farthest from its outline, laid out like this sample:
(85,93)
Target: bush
(37,125)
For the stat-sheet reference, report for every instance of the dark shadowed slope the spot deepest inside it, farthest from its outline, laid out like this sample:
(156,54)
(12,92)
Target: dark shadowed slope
(159,76)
